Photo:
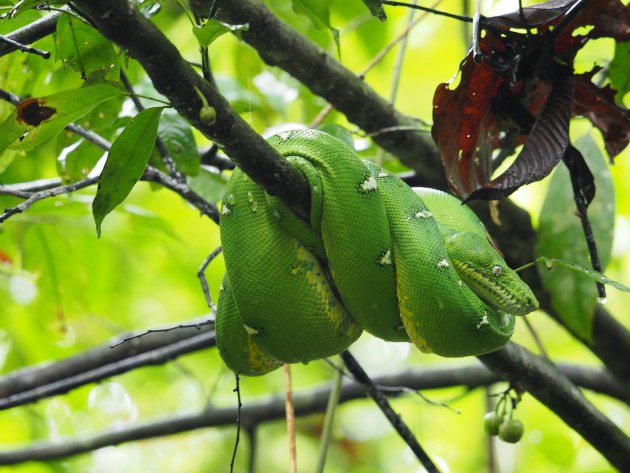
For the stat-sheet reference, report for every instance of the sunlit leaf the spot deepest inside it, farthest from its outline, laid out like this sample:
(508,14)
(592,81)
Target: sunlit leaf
(24,5)
(37,120)
(560,236)
(319,13)
(213,29)
(126,163)
(552,263)
(85,49)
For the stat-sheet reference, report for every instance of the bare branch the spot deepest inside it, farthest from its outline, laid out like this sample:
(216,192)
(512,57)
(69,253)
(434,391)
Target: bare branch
(306,402)
(30,33)
(381,401)
(39,382)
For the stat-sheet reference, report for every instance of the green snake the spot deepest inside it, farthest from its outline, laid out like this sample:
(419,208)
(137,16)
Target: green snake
(403,264)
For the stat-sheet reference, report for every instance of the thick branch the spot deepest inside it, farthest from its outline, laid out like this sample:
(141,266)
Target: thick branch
(280,45)
(173,77)
(547,384)
(39,382)
(306,402)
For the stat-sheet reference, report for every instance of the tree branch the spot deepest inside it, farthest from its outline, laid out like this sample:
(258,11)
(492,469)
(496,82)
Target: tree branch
(306,402)
(39,382)
(30,33)
(280,45)
(173,77)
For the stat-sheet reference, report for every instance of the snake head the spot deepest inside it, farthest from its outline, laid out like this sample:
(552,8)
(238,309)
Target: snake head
(486,273)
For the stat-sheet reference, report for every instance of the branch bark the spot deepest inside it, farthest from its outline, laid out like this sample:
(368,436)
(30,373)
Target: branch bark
(306,402)
(173,77)
(280,45)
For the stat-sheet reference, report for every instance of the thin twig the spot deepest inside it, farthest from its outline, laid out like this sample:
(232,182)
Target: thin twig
(290,417)
(381,401)
(535,336)
(378,57)
(30,33)
(331,408)
(239,406)
(24,48)
(466,19)
(201,274)
(135,336)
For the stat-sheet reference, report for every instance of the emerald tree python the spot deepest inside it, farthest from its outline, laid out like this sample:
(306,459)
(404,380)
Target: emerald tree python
(402,264)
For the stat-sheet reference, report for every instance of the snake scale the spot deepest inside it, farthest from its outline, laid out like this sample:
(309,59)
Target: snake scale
(403,264)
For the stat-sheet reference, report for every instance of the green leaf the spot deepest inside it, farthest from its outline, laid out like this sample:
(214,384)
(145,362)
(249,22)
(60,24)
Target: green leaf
(36,121)
(560,236)
(24,5)
(85,49)
(338,132)
(552,263)
(214,29)
(376,9)
(176,134)
(319,13)
(125,163)
(619,69)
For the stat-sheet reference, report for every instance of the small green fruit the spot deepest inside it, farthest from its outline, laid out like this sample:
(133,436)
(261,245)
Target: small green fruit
(491,423)
(208,115)
(511,431)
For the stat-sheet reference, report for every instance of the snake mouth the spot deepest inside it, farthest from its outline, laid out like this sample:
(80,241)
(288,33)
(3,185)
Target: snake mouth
(506,292)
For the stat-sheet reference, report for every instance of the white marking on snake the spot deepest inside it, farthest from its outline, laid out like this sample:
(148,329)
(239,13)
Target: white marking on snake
(383,174)
(285,135)
(442,264)
(369,184)
(484,321)
(250,330)
(226,210)
(497,270)
(386,259)
(424,214)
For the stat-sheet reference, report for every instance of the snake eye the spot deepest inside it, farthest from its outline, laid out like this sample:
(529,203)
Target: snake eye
(497,270)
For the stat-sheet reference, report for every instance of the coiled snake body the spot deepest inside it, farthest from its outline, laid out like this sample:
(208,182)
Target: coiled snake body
(378,256)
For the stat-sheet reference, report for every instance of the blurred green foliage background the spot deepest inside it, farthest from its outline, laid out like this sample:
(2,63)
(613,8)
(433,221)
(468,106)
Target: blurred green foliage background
(62,290)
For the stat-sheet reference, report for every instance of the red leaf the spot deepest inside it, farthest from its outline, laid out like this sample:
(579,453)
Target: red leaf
(544,149)
(500,97)
(598,105)
(464,125)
